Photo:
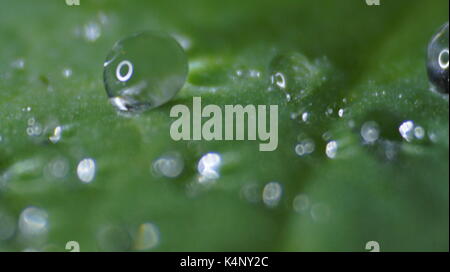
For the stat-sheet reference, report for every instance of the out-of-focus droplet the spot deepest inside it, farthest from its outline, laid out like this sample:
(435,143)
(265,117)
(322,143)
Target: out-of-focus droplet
(113,239)
(320,212)
(86,170)
(67,72)
(305,147)
(57,168)
(438,60)
(331,149)
(419,132)
(370,132)
(301,203)
(251,193)
(92,31)
(147,237)
(144,71)
(272,194)
(33,224)
(406,130)
(305,117)
(169,165)
(18,64)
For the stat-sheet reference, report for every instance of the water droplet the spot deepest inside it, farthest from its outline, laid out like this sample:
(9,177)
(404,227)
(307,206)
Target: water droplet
(67,72)
(305,147)
(113,238)
(18,64)
(251,192)
(208,167)
(56,135)
(320,212)
(33,223)
(301,203)
(406,129)
(57,168)
(86,170)
(331,149)
(370,132)
(305,117)
(294,74)
(272,194)
(419,132)
(438,60)
(34,128)
(92,31)
(144,71)
(169,165)
(279,80)
(147,237)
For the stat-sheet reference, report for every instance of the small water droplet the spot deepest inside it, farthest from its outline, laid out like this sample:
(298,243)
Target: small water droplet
(147,237)
(113,238)
(67,72)
(251,192)
(305,117)
(305,147)
(57,168)
(419,132)
(86,170)
(33,224)
(406,129)
(92,31)
(272,194)
(331,149)
(370,132)
(208,167)
(320,212)
(18,64)
(169,165)
(301,203)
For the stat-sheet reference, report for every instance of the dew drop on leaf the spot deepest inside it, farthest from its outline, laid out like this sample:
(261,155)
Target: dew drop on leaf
(144,71)
(438,58)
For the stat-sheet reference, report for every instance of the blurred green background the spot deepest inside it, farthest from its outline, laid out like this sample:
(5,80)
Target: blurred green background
(369,66)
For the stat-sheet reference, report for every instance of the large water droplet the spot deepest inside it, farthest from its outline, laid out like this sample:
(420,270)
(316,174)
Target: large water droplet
(438,60)
(144,71)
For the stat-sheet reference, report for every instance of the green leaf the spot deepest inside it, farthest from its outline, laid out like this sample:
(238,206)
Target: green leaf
(367,61)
